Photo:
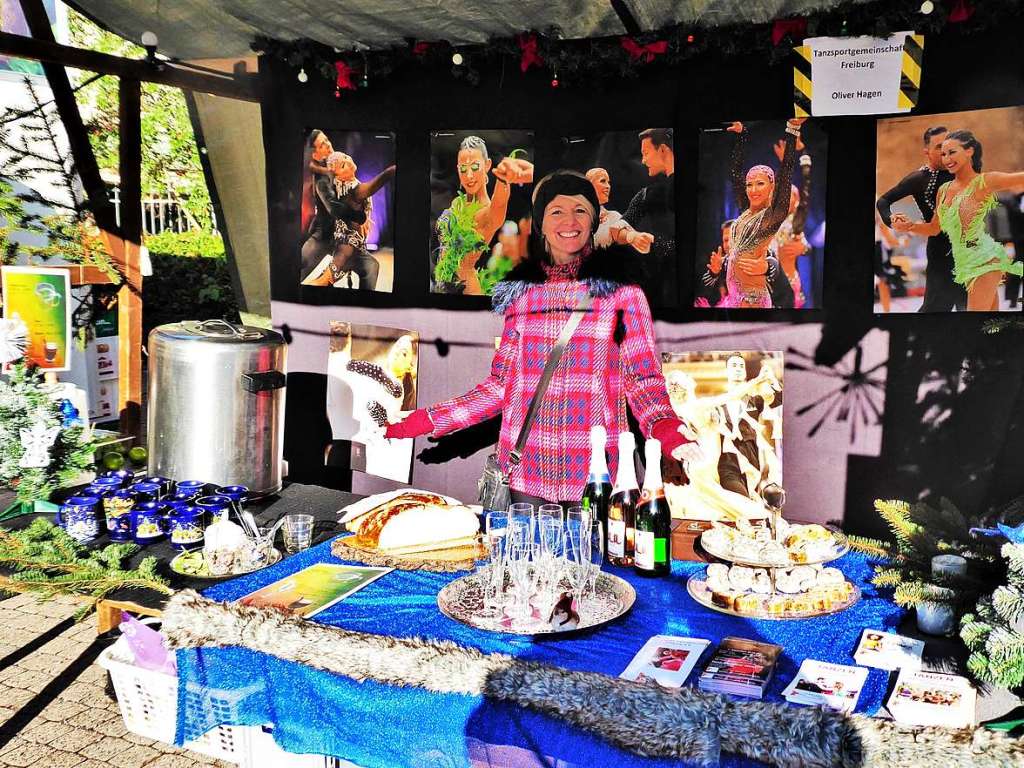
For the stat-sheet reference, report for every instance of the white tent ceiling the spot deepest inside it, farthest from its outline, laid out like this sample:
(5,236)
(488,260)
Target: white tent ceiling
(200,29)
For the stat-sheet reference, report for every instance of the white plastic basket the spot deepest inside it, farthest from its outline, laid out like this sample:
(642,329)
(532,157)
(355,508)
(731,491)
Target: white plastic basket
(265,753)
(149,705)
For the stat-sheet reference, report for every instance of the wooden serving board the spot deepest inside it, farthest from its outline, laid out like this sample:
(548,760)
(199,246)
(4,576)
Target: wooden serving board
(444,560)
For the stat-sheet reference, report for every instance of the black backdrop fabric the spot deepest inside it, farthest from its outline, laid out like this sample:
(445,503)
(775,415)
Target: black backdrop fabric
(980,399)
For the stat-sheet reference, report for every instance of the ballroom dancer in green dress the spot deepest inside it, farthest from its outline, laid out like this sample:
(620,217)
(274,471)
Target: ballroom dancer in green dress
(979,262)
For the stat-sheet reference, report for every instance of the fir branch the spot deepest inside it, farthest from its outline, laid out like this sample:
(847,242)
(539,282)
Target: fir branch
(873,548)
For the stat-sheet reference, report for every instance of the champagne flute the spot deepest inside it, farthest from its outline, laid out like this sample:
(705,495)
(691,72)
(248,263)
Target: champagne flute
(595,555)
(495,538)
(577,550)
(552,546)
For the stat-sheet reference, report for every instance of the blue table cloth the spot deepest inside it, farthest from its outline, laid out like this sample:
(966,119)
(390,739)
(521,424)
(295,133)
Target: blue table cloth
(381,726)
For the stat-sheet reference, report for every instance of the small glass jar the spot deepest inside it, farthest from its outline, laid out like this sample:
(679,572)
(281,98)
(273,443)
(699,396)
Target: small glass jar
(165,483)
(124,477)
(117,508)
(193,488)
(237,493)
(78,516)
(107,481)
(147,522)
(146,491)
(185,527)
(213,504)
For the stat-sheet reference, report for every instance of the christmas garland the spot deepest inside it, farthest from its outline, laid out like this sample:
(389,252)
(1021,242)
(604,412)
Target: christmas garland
(581,61)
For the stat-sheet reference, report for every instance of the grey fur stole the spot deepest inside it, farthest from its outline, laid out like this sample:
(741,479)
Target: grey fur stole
(646,720)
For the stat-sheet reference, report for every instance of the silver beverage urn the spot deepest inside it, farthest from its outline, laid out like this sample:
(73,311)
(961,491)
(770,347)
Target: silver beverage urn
(216,404)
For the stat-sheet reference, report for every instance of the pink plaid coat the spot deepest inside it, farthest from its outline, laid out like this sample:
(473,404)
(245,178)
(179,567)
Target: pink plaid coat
(611,359)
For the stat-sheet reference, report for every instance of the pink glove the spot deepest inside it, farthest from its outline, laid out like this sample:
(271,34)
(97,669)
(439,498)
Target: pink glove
(676,439)
(415,424)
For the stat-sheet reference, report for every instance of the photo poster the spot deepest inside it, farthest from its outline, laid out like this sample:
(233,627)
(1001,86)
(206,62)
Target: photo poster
(733,401)
(915,273)
(12,21)
(371,382)
(751,254)
(347,215)
(633,175)
(41,298)
(479,224)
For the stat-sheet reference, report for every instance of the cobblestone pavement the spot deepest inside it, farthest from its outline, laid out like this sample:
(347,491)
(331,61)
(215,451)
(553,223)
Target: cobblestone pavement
(55,710)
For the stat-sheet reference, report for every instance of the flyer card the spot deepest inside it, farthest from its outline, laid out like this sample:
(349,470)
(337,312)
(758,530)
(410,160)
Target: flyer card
(667,659)
(885,650)
(311,590)
(836,686)
(932,698)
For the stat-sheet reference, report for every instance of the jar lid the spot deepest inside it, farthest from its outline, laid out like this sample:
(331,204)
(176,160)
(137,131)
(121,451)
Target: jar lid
(217,331)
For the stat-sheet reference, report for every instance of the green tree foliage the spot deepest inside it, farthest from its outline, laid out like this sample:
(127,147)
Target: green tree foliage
(25,400)
(47,561)
(994,631)
(919,532)
(170,160)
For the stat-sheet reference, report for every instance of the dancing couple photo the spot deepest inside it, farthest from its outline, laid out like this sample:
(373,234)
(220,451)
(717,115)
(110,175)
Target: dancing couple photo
(949,233)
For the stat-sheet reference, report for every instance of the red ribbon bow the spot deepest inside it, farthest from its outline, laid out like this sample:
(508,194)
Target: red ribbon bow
(795,28)
(345,73)
(960,12)
(530,57)
(646,52)
(421,48)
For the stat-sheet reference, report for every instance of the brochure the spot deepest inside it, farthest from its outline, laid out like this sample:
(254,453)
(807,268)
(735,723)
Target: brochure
(836,686)
(739,666)
(932,698)
(311,590)
(667,659)
(885,650)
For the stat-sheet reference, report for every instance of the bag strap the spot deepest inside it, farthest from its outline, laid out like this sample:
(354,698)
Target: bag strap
(549,369)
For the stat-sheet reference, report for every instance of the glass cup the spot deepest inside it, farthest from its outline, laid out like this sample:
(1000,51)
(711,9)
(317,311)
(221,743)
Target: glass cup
(578,542)
(297,531)
(495,538)
(554,511)
(523,567)
(595,553)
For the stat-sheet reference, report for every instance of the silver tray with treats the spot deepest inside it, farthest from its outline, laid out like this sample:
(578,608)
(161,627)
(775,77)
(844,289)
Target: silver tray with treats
(795,545)
(817,601)
(462,600)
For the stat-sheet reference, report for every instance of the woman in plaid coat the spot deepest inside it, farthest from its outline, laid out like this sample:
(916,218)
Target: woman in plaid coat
(611,359)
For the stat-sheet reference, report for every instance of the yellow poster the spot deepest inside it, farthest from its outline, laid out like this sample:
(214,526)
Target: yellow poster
(41,298)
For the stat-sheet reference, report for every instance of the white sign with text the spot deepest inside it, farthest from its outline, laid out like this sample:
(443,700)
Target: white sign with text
(856,75)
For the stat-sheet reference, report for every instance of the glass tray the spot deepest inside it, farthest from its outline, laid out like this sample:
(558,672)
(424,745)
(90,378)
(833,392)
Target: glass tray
(275,557)
(840,548)
(462,600)
(699,591)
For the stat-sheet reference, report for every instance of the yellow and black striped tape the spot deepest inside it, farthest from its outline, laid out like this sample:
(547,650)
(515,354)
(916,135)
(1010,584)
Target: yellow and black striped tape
(802,88)
(910,76)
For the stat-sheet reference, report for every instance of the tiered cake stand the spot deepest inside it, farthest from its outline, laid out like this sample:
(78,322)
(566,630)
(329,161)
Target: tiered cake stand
(777,604)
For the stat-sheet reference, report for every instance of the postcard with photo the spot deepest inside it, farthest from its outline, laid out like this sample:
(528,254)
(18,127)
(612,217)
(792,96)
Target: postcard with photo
(741,667)
(314,588)
(667,659)
(836,686)
(886,650)
(347,213)
(932,698)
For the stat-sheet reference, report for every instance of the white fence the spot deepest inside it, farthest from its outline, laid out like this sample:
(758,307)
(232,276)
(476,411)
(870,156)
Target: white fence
(162,214)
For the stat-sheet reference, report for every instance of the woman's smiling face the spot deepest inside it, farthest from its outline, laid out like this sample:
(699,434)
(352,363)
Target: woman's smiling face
(567,225)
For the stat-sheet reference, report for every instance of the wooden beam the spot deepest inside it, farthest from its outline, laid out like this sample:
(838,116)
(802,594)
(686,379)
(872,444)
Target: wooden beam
(78,139)
(85,274)
(244,87)
(129,298)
